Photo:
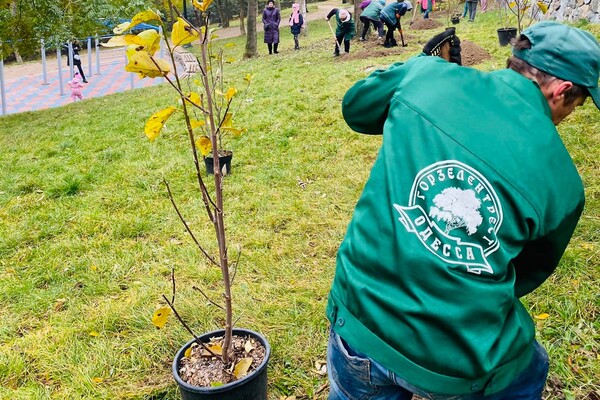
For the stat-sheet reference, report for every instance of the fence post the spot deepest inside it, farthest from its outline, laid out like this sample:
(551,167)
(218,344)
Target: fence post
(98,55)
(89,48)
(2,91)
(60,77)
(70,60)
(44,71)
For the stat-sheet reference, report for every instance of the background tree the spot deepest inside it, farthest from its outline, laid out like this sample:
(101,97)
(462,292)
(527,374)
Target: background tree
(251,42)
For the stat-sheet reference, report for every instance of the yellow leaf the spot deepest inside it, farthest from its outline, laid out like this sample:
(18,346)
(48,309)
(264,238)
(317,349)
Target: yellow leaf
(183,33)
(156,122)
(227,121)
(150,39)
(93,268)
(94,334)
(542,316)
(204,145)
(117,41)
(512,4)
(143,16)
(97,380)
(188,352)
(194,98)
(159,319)
(235,131)
(215,348)
(230,60)
(202,6)
(230,93)
(197,123)
(241,368)
(119,29)
(141,62)
(229,45)
(248,78)
(543,7)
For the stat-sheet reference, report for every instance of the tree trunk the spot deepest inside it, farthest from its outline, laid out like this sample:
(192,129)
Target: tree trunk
(357,21)
(242,27)
(13,12)
(303,12)
(251,45)
(222,10)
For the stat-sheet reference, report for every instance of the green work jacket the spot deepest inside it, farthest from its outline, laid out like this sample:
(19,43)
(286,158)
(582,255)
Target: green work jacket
(470,205)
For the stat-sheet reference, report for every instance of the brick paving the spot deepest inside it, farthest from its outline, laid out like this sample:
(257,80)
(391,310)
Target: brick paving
(29,93)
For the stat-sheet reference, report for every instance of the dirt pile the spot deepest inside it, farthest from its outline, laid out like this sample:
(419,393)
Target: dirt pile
(472,54)
(423,24)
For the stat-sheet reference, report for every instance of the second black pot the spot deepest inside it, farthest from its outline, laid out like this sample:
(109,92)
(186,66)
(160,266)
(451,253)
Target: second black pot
(250,387)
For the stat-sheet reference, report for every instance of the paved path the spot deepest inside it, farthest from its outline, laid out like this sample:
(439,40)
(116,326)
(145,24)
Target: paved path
(25,89)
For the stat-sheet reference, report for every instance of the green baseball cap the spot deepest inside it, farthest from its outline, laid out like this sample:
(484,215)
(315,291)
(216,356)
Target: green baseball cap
(567,53)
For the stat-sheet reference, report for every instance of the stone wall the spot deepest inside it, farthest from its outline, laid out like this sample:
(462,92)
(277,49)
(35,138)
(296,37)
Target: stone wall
(573,10)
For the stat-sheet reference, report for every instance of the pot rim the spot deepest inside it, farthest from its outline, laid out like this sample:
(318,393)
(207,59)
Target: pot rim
(228,386)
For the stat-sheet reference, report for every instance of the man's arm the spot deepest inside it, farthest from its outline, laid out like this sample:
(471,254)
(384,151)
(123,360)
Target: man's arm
(365,105)
(539,258)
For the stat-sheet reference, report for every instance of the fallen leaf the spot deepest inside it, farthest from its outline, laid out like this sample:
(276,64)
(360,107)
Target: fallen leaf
(542,316)
(94,334)
(241,368)
(160,316)
(98,380)
(321,367)
(248,346)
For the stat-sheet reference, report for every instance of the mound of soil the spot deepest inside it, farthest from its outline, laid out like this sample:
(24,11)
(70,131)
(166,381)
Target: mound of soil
(423,24)
(472,54)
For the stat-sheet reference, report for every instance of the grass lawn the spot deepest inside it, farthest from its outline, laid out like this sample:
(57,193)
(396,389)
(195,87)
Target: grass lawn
(88,236)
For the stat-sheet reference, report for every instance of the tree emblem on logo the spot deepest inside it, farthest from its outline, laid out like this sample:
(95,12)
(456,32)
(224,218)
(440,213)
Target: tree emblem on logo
(458,208)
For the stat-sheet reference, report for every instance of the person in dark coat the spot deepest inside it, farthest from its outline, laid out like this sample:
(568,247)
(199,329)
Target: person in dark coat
(296,22)
(76,58)
(271,18)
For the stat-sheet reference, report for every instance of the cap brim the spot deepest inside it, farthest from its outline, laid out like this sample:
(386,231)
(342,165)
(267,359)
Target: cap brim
(595,93)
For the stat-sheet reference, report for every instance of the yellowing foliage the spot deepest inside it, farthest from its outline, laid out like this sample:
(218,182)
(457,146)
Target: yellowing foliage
(156,122)
(183,33)
(202,6)
(144,65)
(204,145)
(140,17)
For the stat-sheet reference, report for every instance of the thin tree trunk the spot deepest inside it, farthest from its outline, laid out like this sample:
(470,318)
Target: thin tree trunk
(251,45)
(15,46)
(357,11)
(303,12)
(242,27)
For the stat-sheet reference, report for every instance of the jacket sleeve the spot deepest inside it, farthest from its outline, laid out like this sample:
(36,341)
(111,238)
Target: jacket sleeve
(365,105)
(539,258)
(331,13)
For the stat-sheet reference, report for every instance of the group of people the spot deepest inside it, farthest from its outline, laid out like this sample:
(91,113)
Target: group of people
(271,18)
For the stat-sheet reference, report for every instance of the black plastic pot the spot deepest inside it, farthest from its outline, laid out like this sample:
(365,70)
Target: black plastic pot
(223,161)
(251,387)
(505,34)
(455,20)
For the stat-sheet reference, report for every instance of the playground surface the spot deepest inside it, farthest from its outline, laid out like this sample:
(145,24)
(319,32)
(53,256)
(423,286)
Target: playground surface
(26,90)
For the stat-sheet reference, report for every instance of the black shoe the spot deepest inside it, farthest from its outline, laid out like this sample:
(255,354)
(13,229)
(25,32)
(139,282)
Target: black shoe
(276,52)
(85,81)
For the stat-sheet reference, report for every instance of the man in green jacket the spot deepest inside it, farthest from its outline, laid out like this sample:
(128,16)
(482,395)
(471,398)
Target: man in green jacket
(470,205)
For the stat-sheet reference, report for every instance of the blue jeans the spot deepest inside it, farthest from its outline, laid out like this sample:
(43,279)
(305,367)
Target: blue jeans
(354,376)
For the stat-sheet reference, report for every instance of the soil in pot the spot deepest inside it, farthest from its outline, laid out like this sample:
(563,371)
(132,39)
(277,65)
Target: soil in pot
(200,368)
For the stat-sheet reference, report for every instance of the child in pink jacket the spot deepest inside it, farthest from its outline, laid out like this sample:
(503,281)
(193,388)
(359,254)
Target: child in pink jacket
(76,86)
